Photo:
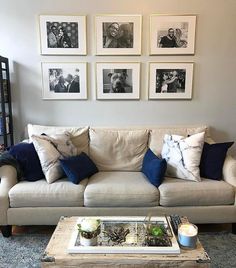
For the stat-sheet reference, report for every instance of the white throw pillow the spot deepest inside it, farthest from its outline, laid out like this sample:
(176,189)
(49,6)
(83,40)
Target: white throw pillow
(183,156)
(50,150)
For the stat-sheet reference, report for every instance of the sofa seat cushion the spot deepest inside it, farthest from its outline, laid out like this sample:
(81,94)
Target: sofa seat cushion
(120,189)
(176,192)
(61,193)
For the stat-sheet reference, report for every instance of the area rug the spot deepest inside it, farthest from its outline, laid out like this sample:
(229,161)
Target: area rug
(25,250)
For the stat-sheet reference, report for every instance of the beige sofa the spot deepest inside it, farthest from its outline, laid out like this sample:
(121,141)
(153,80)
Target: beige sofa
(119,188)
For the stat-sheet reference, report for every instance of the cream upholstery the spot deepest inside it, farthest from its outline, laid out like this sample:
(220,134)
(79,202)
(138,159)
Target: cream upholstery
(8,180)
(41,194)
(177,192)
(51,215)
(157,135)
(50,149)
(229,172)
(121,150)
(120,189)
(79,136)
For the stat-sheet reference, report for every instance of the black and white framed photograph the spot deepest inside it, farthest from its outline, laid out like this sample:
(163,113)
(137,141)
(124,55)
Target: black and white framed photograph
(64,80)
(172,34)
(118,80)
(62,35)
(118,34)
(170,80)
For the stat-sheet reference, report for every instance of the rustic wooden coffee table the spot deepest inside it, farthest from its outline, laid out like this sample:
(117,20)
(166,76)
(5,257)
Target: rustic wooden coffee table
(56,254)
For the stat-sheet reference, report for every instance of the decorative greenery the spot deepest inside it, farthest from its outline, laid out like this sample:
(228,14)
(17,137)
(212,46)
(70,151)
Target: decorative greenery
(89,227)
(117,235)
(156,230)
(157,236)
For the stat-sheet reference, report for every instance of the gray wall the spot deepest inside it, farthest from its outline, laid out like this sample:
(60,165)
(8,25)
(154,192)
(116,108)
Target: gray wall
(214,91)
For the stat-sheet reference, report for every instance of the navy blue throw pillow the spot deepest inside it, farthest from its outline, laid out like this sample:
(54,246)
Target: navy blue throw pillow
(212,160)
(154,168)
(78,167)
(28,160)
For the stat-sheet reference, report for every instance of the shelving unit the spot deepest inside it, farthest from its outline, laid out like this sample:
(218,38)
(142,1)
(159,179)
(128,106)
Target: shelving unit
(6,125)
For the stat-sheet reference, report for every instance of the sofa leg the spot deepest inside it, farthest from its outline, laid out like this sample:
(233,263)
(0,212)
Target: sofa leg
(234,227)
(6,230)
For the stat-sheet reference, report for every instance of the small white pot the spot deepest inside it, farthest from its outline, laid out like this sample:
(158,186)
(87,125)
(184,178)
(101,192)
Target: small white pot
(88,242)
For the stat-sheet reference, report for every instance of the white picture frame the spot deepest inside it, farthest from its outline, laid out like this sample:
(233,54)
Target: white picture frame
(118,34)
(117,81)
(64,80)
(62,35)
(75,248)
(172,34)
(170,80)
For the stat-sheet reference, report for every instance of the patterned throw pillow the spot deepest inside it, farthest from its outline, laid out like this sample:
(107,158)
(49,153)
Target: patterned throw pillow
(50,150)
(183,155)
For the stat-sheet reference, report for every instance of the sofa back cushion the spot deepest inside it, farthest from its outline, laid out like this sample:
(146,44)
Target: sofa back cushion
(157,135)
(118,149)
(78,135)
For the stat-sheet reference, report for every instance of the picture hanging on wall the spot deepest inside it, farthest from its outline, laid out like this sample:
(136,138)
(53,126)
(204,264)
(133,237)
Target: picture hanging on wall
(62,35)
(118,34)
(170,80)
(118,80)
(172,34)
(64,80)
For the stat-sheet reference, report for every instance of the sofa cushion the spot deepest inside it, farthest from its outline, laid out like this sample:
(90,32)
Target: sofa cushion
(176,192)
(28,160)
(78,167)
(119,150)
(50,150)
(154,168)
(79,136)
(157,135)
(212,160)
(120,189)
(61,193)
(183,155)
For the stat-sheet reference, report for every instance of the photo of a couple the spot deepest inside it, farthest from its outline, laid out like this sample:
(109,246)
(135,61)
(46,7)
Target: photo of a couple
(118,34)
(176,36)
(170,81)
(62,81)
(62,34)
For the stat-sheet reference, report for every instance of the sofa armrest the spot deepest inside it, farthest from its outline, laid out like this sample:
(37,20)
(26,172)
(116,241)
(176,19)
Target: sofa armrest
(8,177)
(229,172)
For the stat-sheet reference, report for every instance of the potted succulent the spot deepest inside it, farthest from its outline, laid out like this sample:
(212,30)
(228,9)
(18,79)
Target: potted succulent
(89,229)
(157,236)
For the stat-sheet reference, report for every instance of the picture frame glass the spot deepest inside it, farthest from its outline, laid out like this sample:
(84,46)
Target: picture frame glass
(172,34)
(64,80)
(118,34)
(118,80)
(62,35)
(170,80)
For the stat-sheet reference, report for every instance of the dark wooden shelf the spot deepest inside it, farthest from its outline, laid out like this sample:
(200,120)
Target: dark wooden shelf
(6,124)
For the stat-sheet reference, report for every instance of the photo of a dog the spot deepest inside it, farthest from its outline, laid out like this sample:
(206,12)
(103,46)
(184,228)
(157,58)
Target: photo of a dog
(117,81)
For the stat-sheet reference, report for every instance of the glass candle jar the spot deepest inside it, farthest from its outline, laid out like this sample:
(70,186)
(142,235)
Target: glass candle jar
(187,235)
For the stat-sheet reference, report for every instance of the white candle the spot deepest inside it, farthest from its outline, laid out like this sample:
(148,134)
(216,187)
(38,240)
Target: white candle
(187,235)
